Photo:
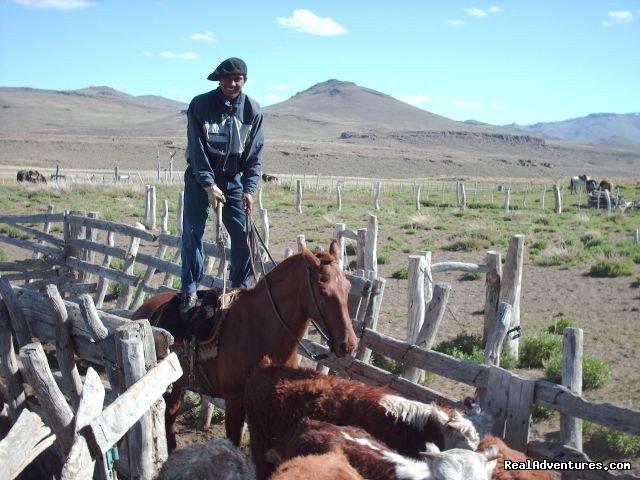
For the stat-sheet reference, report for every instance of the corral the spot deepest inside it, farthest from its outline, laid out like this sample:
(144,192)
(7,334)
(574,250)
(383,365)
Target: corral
(74,252)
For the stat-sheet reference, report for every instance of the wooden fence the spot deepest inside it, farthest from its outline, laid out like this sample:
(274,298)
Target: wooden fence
(78,265)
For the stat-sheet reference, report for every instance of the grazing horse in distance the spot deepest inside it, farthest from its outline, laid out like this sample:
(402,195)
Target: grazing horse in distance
(263,324)
(591,186)
(33,176)
(269,178)
(277,398)
(605,185)
(577,181)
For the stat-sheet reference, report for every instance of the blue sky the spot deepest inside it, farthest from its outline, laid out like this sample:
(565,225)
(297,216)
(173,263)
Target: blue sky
(498,61)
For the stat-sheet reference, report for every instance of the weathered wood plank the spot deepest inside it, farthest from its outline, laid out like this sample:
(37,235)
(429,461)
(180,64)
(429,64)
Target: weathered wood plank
(25,441)
(105,272)
(127,230)
(18,321)
(15,395)
(459,267)
(105,430)
(33,218)
(31,246)
(64,345)
(560,398)
(519,405)
(54,405)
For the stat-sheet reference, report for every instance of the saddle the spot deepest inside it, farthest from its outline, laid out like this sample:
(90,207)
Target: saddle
(204,323)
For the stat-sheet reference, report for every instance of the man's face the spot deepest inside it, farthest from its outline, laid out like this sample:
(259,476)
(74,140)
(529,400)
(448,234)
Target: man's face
(231,85)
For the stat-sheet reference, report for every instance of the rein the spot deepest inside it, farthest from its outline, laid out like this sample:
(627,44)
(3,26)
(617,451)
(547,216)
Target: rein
(313,356)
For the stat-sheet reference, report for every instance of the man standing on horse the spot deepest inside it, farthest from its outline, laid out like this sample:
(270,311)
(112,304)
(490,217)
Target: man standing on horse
(225,143)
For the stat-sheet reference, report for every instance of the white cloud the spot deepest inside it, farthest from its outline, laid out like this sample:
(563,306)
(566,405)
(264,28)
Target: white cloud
(55,4)
(305,21)
(618,17)
(415,100)
(180,56)
(147,54)
(278,88)
(456,23)
(206,37)
(478,12)
(467,103)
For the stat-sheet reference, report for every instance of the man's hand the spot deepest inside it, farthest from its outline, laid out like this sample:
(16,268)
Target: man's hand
(215,195)
(247,201)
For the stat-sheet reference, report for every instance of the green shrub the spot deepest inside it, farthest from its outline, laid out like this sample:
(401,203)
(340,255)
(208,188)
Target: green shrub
(350,249)
(383,258)
(612,268)
(467,245)
(386,363)
(538,348)
(470,276)
(469,347)
(595,372)
(608,442)
(401,273)
(3,256)
(559,324)
(540,413)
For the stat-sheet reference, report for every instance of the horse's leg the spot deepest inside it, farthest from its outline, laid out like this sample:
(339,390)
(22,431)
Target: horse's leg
(173,402)
(234,417)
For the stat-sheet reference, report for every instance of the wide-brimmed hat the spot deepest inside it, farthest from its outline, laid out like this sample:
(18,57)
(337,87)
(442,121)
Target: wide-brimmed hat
(231,66)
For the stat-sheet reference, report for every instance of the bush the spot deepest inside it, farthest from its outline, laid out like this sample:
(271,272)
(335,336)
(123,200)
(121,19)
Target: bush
(595,372)
(401,274)
(559,324)
(470,276)
(613,442)
(469,347)
(385,363)
(383,258)
(612,268)
(538,348)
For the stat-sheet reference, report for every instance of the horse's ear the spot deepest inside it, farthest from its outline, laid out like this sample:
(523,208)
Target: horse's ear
(334,249)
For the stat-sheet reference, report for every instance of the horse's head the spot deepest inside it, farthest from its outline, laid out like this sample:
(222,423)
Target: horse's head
(329,291)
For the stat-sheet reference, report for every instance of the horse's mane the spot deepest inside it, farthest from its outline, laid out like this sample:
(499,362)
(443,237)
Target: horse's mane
(413,413)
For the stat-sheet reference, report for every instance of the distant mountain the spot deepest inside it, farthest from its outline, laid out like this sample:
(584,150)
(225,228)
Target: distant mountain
(599,128)
(333,127)
(94,110)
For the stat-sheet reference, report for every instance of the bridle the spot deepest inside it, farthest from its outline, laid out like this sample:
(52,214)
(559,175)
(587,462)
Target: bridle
(325,335)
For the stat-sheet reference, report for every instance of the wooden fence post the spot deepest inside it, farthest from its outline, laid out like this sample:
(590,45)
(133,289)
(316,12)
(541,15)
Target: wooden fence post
(103,283)
(416,310)
(507,199)
(607,199)
(301,242)
(558,198)
(492,294)
(9,366)
(512,285)
(339,197)
(52,401)
(418,198)
(544,193)
(139,441)
(46,229)
(17,320)
(298,196)
(433,315)
(127,291)
(371,315)
(361,247)
(165,216)
(376,196)
(338,229)
(370,256)
(571,427)
(496,336)
(64,345)
(463,197)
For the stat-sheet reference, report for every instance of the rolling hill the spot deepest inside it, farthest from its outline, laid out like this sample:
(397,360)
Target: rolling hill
(333,127)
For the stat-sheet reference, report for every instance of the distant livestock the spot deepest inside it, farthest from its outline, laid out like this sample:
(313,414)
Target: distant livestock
(32,176)
(577,181)
(278,398)
(269,178)
(605,185)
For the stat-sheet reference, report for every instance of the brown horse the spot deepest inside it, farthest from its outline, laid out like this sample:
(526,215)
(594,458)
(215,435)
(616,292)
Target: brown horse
(263,325)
